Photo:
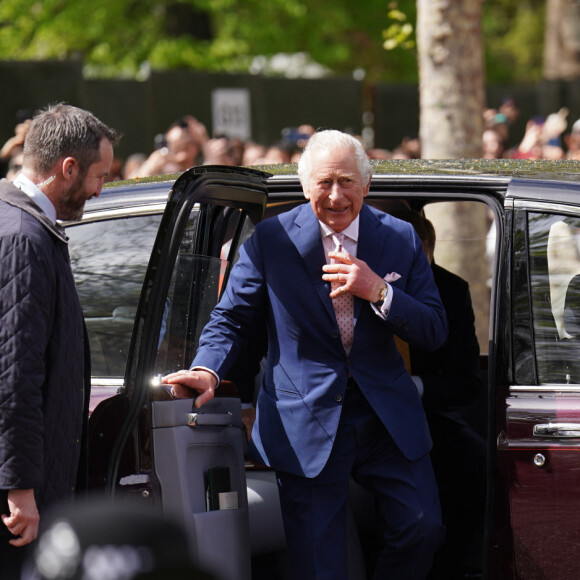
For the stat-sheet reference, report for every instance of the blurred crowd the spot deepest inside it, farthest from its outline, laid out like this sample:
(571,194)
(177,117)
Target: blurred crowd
(544,137)
(187,142)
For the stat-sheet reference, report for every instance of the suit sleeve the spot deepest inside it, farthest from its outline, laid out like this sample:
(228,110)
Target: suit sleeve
(237,317)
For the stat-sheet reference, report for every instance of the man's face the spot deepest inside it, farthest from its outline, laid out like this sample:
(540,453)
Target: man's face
(335,188)
(71,203)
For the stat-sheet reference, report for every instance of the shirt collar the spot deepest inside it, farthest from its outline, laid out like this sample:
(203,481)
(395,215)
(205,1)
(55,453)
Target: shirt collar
(35,193)
(350,232)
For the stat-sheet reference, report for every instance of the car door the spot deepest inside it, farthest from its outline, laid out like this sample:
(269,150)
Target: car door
(538,407)
(144,443)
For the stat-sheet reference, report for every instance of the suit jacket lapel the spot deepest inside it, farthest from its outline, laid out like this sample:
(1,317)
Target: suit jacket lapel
(305,233)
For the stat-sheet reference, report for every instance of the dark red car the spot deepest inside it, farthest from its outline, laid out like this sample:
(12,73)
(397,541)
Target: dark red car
(151,260)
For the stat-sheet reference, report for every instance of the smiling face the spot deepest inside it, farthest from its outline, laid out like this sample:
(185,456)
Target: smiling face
(335,188)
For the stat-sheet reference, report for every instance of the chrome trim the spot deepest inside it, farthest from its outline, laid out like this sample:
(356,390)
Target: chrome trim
(138,210)
(545,206)
(107,382)
(545,389)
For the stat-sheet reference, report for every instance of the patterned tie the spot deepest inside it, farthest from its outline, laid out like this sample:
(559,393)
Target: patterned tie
(343,304)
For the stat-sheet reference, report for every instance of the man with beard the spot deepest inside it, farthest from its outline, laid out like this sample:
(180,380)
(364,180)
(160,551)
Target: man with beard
(44,361)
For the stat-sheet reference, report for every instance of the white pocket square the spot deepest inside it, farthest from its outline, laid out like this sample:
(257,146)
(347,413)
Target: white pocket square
(392,277)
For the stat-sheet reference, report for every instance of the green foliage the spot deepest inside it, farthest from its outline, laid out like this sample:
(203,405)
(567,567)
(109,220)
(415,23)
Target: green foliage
(125,37)
(399,33)
(514,40)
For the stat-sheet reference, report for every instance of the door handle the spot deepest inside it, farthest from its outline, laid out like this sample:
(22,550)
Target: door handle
(557,430)
(213,419)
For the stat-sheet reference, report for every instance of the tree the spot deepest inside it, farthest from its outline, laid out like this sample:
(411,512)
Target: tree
(127,37)
(123,37)
(451,86)
(562,40)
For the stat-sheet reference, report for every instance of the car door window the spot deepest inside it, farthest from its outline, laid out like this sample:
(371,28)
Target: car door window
(198,279)
(554,242)
(109,259)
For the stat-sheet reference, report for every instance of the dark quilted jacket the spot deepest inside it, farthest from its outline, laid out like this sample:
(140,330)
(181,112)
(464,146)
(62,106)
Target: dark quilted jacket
(42,354)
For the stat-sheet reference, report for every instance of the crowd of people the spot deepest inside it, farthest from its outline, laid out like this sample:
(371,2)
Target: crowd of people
(187,142)
(544,137)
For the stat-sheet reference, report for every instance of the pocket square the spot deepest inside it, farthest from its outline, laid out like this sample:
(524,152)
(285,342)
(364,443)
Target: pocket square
(392,277)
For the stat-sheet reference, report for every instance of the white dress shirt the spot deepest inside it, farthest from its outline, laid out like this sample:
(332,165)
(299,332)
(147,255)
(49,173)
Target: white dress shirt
(38,197)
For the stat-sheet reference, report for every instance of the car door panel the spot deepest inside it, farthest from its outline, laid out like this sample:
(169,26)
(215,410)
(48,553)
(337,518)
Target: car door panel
(187,445)
(540,448)
(153,452)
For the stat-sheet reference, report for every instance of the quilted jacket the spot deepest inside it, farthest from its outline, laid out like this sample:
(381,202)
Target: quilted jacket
(43,360)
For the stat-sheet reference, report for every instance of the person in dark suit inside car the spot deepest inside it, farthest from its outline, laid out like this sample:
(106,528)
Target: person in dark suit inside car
(335,281)
(449,378)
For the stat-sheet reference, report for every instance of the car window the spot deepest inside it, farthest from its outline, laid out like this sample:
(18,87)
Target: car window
(465,245)
(109,259)
(201,270)
(554,242)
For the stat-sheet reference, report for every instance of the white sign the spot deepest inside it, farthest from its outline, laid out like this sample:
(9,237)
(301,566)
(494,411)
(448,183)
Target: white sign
(231,113)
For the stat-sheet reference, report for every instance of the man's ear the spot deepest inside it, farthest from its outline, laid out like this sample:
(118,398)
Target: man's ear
(367,188)
(70,168)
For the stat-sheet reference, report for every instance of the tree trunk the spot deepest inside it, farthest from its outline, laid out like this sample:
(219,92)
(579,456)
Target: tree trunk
(562,40)
(462,229)
(451,84)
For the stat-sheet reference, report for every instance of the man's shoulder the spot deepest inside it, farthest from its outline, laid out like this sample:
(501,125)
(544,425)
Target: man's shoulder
(19,215)
(444,275)
(385,218)
(285,218)
(15,220)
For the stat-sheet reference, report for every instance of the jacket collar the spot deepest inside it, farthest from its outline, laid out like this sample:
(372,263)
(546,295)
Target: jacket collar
(13,196)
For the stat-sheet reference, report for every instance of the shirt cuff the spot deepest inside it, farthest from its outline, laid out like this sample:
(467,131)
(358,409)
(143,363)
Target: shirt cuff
(383,311)
(217,379)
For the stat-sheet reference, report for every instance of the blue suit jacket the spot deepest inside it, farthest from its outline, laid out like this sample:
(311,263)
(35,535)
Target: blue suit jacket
(279,276)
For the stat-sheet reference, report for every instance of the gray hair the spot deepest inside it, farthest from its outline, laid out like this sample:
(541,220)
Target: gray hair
(65,131)
(332,140)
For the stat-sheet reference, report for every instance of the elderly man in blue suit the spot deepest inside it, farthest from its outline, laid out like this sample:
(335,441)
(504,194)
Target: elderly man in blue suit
(335,281)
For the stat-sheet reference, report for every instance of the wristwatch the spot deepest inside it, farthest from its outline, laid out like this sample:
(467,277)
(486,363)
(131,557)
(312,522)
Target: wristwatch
(379,303)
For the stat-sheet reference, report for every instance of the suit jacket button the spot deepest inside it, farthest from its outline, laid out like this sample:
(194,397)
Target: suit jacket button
(335,334)
(338,398)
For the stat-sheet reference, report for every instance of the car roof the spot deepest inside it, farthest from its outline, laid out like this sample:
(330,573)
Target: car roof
(541,180)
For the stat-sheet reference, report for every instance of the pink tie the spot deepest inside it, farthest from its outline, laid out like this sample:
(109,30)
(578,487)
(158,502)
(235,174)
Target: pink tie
(343,304)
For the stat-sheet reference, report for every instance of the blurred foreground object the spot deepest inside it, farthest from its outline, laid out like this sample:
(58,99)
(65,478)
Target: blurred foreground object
(99,539)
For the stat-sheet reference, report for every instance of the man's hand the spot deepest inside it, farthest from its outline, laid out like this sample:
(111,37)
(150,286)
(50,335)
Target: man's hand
(354,275)
(184,383)
(23,519)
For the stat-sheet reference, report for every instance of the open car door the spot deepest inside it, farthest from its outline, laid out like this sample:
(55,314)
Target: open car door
(144,443)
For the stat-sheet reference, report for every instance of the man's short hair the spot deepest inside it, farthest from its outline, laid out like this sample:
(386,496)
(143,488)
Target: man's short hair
(60,131)
(331,140)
